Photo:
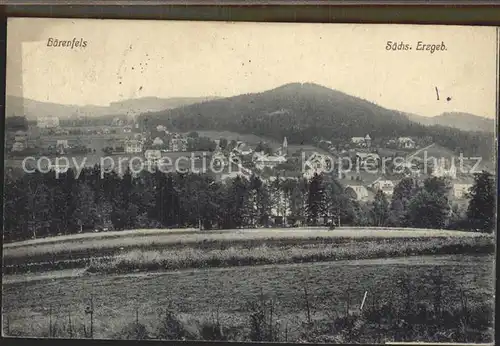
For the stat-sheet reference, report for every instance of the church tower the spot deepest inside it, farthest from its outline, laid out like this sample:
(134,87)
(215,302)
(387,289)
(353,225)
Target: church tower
(285,146)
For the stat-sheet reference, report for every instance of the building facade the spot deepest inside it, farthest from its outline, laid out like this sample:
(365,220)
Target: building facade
(47,122)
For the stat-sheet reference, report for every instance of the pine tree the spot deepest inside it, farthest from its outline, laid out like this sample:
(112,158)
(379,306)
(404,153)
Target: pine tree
(401,197)
(380,209)
(428,210)
(315,199)
(482,204)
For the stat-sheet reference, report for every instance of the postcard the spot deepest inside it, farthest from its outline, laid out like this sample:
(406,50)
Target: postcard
(254,182)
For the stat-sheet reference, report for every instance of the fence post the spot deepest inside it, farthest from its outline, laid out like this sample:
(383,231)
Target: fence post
(69,325)
(91,317)
(7,322)
(363,302)
(50,321)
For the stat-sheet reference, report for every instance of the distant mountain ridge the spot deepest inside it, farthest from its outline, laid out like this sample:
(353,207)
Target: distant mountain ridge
(305,111)
(458,120)
(17,106)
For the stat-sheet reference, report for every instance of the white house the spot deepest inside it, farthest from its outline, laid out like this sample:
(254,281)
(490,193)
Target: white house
(316,164)
(161,128)
(18,146)
(364,142)
(461,188)
(60,131)
(358,140)
(357,191)
(242,149)
(262,160)
(152,156)
(368,159)
(386,186)
(133,146)
(47,122)
(444,168)
(62,143)
(158,142)
(406,143)
(127,129)
(20,136)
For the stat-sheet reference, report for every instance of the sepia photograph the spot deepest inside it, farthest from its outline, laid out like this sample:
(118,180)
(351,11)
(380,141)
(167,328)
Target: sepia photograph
(250,182)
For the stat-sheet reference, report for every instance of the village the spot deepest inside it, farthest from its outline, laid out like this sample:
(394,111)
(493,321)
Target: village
(361,165)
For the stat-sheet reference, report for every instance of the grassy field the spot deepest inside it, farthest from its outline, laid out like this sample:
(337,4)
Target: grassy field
(263,285)
(77,250)
(188,257)
(304,298)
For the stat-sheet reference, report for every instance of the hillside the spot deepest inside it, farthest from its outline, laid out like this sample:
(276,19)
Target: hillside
(302,112)
(462,121)
(16,106)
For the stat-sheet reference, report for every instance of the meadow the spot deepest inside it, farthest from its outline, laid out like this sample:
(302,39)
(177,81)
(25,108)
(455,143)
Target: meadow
(295,285)
(300,244)
(294,302)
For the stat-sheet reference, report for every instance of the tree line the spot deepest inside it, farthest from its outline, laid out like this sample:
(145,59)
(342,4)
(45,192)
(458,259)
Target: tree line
(42,204)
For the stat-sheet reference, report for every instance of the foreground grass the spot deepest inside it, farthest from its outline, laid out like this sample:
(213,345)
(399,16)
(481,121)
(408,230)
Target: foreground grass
(433,298)
(146,260)
(192,249)
(94,243)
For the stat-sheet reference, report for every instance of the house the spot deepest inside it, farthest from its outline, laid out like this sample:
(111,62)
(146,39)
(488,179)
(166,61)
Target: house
(242,149)
(406,143)
(357,191)
(391,143)
(219,159)
(444,169)
(152,156)
(178,144)
(47,122)
(368,160)
(106,131)
(386,186)
(117,122)
(139,137)
(62,143)
(409,168)
(133,146)
(358,140)
(127,129)
(60,131)
(157,142)
(262,161)
(18,146)
(161,128)
(20,136)
(316,164)
(461,188)
(362,142)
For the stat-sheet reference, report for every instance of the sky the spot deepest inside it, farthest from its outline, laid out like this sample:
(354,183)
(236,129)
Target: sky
(131,59)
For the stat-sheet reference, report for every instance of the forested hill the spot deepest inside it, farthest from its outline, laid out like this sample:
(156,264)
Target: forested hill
(302,112)
(462,121)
